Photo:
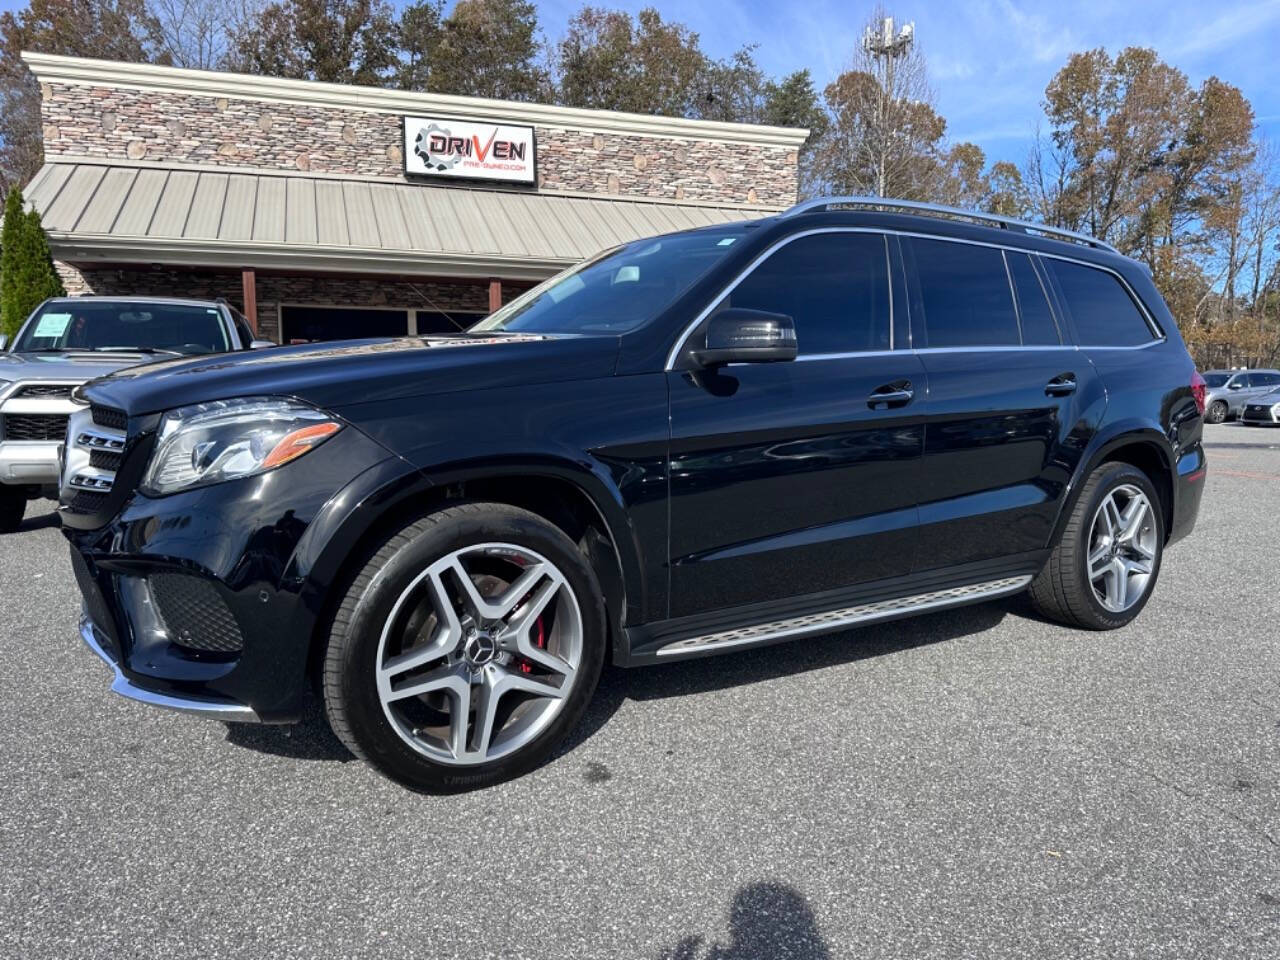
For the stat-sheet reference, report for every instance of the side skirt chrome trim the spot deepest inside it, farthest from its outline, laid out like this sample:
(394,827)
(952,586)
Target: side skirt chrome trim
(846,616)
(224,710)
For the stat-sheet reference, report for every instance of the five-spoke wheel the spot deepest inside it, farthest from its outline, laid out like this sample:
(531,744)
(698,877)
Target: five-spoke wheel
(1122,548)
(1104,567)
(479,652)
(468,645)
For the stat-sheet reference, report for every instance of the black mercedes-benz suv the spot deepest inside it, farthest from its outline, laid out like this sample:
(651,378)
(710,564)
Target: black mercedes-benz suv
(690,444)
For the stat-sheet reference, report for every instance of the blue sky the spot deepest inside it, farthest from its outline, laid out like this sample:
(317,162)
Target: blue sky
(990,59)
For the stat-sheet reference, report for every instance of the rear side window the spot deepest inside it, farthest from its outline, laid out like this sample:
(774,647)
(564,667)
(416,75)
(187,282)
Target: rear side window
(1265,379)
(965,292)
(1101,308)
(835,286)
(1038,326)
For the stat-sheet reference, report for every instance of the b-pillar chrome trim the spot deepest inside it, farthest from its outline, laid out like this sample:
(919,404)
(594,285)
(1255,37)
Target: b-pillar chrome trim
(224,710)
(846,617)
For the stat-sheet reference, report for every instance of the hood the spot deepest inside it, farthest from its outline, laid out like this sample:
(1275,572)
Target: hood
(64,365)
(335,375)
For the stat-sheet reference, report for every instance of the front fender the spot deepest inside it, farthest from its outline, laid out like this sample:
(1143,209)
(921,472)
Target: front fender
(395,487)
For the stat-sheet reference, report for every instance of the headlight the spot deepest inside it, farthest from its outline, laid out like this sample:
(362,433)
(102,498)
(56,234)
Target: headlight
(211,442)
(1275,410)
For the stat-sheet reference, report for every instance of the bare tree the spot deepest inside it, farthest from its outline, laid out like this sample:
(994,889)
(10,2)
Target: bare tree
(885,136)
(195,33)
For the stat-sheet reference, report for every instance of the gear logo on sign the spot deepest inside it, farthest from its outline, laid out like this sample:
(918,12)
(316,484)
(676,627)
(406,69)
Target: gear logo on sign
(422,147)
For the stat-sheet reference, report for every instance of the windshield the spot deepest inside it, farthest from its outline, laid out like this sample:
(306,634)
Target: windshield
(1216,379)
(123,325)
(618,290)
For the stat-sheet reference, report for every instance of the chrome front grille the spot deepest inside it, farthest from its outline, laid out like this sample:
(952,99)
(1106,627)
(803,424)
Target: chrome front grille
(93,455)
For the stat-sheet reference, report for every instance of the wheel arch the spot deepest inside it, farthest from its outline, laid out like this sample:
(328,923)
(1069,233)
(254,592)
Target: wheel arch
(1139,445)
(575,499)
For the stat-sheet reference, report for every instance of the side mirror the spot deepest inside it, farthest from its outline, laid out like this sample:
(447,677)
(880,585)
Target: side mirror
(747,336)
(1235,386)
(261,344)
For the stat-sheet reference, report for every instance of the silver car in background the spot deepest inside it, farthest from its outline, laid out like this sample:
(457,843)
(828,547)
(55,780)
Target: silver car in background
(1229,391)
(1262,411)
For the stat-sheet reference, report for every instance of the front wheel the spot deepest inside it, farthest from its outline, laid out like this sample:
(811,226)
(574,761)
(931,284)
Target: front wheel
(1217,412)
(465,649)
(1102,572)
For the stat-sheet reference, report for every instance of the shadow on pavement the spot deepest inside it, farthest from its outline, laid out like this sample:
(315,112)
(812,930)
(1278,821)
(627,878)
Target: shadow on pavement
(309,739)
(767,920)
(39,521)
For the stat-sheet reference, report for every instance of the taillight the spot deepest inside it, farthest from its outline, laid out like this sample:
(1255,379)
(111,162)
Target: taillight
(1198,390)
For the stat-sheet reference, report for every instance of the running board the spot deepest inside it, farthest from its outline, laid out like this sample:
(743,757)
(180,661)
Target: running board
(846,617)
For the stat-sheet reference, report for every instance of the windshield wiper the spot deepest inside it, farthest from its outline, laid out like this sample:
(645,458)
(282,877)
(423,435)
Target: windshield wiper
(149,351)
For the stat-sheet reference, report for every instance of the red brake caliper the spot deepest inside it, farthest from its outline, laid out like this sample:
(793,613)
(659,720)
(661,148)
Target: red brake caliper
(539,641)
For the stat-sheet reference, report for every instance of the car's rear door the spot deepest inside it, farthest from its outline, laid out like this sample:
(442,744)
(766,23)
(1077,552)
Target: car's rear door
(799,477)
(1011,403)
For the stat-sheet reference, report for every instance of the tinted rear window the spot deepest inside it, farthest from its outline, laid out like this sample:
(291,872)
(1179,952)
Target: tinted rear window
(1216,379)
(1101,308)
(1038,325)
(835,286)
(966,296)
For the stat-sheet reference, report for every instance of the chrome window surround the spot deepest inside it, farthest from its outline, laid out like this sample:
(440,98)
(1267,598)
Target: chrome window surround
(1157,334)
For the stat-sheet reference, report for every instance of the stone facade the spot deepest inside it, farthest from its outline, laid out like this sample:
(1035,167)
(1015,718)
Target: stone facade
(83,122)
(274,291)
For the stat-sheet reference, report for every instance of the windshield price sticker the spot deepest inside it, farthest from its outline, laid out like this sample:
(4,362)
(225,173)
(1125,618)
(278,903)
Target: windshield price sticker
(52,325)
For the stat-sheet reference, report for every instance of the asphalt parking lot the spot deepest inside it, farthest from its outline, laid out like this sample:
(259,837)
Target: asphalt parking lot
(968,784)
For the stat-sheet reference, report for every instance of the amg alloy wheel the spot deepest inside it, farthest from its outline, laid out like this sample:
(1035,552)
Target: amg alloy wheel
(1103,569)
(487,639)
(465,649)
(1122,548)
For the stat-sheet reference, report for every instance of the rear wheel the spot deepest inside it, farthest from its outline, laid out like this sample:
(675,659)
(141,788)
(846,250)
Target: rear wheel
(1217,412)
(465,649)
(1102,572)
(13,504)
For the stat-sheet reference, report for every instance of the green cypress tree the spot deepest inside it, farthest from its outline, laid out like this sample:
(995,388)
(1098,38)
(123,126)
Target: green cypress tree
(27,274)
(10,243)
(44,281)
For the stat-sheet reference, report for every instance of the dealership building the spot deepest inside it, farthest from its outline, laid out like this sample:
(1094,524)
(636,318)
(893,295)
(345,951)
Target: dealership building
(326,211)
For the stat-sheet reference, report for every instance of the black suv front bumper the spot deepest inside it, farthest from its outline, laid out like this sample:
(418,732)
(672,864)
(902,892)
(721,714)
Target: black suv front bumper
(207,601)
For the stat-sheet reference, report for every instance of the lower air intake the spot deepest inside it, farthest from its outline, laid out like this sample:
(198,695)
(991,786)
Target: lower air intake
(194,613)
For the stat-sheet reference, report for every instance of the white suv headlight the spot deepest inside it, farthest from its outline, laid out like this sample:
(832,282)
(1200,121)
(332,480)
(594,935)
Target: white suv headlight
(226,439)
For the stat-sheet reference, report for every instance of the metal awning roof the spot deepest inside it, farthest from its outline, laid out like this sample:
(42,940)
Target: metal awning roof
(109,212)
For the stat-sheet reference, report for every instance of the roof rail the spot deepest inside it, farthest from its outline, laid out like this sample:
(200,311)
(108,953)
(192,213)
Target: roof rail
(1007,223)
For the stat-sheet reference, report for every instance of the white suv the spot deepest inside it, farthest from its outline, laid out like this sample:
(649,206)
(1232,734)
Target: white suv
(70,340)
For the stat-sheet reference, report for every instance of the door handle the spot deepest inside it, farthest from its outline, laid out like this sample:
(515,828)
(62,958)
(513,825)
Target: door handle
(896,394)
(1063,385)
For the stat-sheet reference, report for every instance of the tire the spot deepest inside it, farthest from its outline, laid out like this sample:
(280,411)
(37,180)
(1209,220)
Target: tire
(1063,590)
(1217,412)
(397,607)
(13,504)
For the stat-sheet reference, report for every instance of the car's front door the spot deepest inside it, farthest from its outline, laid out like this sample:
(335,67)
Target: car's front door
(1010,408)
(799,477)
